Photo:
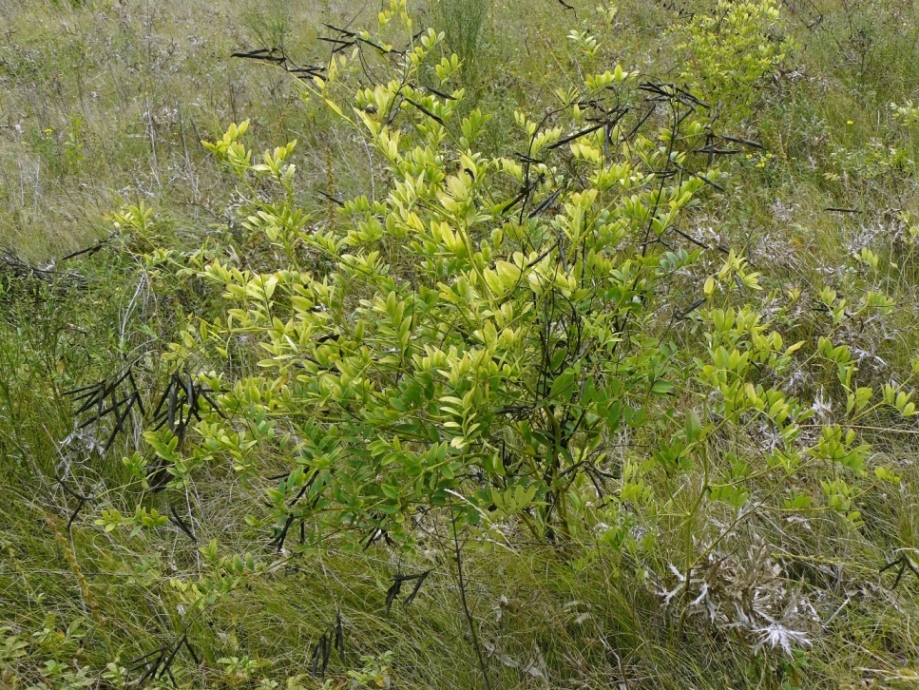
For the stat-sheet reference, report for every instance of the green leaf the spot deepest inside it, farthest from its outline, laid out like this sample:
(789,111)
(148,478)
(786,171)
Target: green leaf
(563,386)
(662,387)
(693,426)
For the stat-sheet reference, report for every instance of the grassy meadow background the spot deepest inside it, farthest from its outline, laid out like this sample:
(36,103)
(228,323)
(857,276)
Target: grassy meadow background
(103,107)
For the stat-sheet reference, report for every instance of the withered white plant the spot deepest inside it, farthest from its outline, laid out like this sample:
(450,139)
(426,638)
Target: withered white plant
(745,592)
(822,406)
(777,635)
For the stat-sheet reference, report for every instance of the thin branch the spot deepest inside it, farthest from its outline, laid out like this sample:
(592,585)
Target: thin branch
(462,589)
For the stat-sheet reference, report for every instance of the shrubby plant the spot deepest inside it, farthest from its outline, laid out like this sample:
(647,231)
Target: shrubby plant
(476,336)
(529,339)
(730,47)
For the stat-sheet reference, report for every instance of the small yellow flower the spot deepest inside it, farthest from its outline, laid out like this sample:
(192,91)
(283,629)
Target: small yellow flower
(849,122)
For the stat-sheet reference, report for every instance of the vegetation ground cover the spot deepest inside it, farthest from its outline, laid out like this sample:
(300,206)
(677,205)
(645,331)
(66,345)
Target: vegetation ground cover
(566,347)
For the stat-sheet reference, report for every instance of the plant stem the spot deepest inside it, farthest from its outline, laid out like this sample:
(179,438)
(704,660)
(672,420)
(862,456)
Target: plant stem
(462,589)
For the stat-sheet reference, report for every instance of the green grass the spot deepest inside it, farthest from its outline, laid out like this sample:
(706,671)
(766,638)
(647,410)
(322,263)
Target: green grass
(104,103)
